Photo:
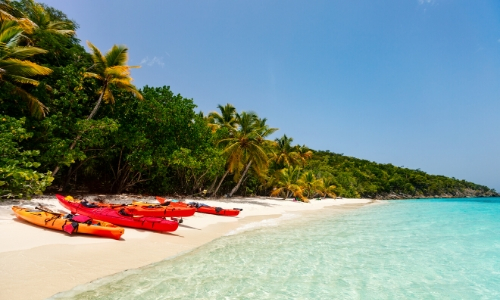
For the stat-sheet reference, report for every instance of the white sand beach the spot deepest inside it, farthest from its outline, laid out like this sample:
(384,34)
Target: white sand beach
(36,263)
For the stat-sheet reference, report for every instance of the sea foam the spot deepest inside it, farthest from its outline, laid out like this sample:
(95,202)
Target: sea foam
(263,223)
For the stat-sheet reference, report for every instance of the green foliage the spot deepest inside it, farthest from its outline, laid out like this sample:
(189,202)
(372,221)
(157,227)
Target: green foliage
(18,175)
(159,145)
(69,104)
(361,178)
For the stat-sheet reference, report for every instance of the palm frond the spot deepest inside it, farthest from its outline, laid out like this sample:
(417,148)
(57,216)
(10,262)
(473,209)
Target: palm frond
(24,52)
(4,15)
(9,12)
(100,63)
(60,25)
(108,96)
(117,72)
(125,84)
(10,33)
(23,80)
(117,56)
(27,25)
(65,32)
(36,107)
(23,67)
(92,75)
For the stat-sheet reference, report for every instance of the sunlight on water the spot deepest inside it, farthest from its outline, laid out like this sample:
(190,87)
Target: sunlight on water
(418,249)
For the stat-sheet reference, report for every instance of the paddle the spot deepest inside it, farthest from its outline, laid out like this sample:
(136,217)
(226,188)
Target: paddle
(44,209)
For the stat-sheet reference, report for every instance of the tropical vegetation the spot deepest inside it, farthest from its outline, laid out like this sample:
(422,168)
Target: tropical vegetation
(71,120)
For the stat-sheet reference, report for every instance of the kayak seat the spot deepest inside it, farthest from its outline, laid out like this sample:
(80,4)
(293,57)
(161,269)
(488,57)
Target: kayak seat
(88,205)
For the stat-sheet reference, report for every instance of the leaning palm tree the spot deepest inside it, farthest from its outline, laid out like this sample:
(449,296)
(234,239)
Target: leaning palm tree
(14,67)
(111,70)
(246,146)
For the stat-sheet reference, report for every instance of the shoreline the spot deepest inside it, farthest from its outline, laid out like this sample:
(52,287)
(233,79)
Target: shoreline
(37,263)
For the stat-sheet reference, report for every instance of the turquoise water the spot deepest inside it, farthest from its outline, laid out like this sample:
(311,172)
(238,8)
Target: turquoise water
(412,249)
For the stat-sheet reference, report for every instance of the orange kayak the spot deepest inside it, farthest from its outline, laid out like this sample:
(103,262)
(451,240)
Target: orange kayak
(201,208)
(149,210)
(57,221)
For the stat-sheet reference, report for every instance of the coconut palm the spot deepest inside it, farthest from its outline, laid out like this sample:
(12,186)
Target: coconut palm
(285,153)
(246,146)
(263,131)
(310,184)
(303,154)
(287,184)
(111,70)
(328,187)
(225,119)
(14,67)
(42,19)
(11,13)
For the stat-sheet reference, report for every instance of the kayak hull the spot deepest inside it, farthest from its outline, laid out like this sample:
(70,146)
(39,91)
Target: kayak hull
(161,211)
(222,212)
(204,209)
(113,216)
(151,210)
(57,222)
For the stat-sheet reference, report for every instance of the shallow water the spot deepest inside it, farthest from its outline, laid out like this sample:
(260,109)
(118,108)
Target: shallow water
(411,249)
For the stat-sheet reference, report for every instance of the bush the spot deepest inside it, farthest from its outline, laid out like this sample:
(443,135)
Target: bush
(18,177)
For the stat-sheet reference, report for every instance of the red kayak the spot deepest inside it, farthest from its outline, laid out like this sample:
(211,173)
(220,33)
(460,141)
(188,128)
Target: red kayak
(151,210)
(117,216)
(201,208)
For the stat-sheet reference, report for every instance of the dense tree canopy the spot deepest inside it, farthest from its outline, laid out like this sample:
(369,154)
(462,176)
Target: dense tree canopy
(99,133)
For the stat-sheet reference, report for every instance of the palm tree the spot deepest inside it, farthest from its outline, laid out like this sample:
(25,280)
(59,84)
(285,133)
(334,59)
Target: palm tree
(310,184)
(287,184)
(42,20)
(303,154)
(10,13)
(225,119)
(328,187)
(14,67)
(246,145)
(286,154)
(112,71)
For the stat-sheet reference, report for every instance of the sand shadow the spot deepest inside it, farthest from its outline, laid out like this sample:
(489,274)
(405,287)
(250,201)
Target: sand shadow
(187,226)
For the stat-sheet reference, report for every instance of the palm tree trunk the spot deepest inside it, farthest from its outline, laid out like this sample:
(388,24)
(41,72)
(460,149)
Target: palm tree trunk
(79,136)
(241,179)
(210,189)
(98,104)
(220,182)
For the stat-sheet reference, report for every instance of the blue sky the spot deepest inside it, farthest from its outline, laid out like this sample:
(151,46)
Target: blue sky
(415,83)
